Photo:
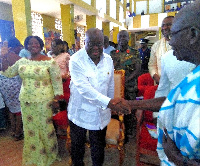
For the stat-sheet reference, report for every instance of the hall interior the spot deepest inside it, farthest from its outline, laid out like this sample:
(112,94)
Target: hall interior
(69,20)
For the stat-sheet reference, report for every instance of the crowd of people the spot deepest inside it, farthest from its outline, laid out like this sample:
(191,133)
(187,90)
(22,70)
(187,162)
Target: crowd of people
(33,84)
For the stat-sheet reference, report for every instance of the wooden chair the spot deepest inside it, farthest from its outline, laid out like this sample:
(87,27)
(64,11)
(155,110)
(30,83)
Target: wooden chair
(145,144)
(115,130)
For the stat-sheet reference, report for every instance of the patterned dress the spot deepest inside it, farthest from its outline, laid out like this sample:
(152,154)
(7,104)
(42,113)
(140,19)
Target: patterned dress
(41,81)
(10,88)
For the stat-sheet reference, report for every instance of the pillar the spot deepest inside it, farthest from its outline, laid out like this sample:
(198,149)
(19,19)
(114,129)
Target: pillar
(125,9)
(131,6)
(22,19)
(91,21)
(108,7)
(93,3)
(48,22)
(67,17)
(117,10)
(115,32)
(106,28)
(147,6)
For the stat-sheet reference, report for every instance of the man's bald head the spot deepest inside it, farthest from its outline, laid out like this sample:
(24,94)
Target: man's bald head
(123,38)
(189,15)
(94,41)
(185,34)
(92,32)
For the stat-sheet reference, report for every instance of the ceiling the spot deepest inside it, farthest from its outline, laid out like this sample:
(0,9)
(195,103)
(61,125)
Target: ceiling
(52,8)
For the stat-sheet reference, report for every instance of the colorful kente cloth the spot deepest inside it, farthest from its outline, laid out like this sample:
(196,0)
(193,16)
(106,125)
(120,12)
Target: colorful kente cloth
(41,81)
(180,115)
(127,61)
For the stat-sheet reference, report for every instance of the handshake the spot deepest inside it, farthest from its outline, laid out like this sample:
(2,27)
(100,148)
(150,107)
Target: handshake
(120,106)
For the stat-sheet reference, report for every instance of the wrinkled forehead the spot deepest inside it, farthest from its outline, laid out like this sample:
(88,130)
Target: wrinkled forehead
(122,34)
(180,22)
(167,21)
(94,37)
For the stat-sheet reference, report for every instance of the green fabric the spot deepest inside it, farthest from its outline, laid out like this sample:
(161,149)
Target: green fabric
(41,81)
(40,142)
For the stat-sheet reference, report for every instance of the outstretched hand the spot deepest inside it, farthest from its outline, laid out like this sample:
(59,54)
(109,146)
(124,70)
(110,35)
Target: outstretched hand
(119,105)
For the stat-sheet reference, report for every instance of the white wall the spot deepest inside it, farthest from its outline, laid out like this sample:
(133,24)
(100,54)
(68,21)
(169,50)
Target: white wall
(140,6)
(87,1)
(113,9)
(155,6)
(6,12)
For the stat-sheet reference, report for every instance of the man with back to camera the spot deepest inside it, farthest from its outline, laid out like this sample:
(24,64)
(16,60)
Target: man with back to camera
(91,98)
(144,54)
(107,48)
(159,48)
(178,122)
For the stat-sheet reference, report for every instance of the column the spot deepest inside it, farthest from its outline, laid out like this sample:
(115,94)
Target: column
(93,3)
(147,6)
(108,7)
(117,10)
(131,6)
(67,17)
(124,7)
(106,28)
(91,21)
(115,32)
(48,22)
(22,19)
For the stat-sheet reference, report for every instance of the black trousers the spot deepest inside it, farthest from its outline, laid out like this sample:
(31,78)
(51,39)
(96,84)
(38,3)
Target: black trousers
(78,139)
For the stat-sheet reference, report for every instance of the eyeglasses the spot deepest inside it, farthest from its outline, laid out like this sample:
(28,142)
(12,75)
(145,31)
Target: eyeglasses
(92,44)
(175,32)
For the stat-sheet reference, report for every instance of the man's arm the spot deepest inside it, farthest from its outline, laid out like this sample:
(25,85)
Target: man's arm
(153,105)
(173,153)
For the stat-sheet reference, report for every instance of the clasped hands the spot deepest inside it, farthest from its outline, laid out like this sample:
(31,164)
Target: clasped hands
(120,106)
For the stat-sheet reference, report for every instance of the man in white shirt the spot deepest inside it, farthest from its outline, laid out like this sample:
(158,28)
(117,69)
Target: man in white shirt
(172,73)
(159,48)
(107,48)
(91,98)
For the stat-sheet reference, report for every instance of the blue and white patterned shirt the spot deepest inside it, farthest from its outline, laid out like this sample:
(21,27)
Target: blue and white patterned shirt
(91,89)
(180,115)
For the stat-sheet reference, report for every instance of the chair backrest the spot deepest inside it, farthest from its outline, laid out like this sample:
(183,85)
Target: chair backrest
(119,78)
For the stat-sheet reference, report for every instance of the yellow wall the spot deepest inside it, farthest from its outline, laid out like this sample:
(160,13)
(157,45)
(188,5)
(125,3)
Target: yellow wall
(153,20)
(137,21)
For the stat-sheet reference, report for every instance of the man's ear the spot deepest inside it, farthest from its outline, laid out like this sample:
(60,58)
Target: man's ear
(194,35)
